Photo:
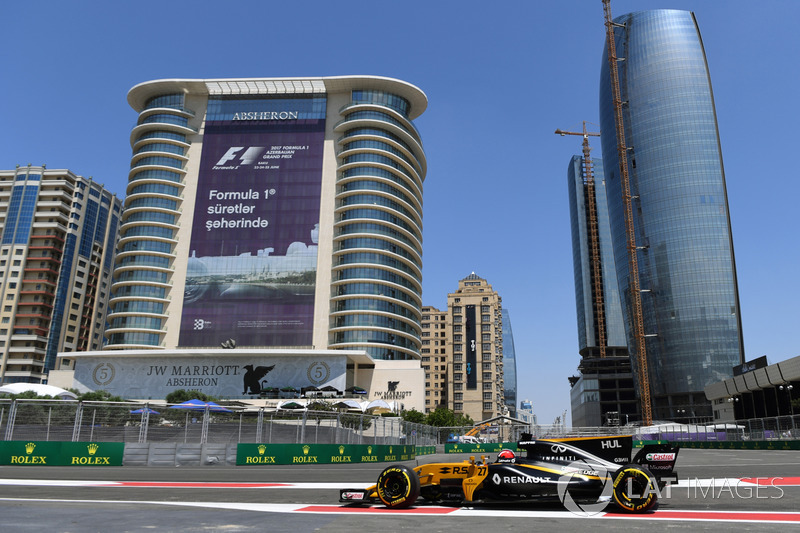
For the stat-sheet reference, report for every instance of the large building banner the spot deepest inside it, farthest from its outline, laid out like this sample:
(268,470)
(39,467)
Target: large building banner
(253,255)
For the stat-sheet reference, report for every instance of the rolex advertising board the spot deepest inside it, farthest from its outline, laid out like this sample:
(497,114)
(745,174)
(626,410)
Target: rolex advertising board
(45,453)
(228,376)
(294,454)
(251,273)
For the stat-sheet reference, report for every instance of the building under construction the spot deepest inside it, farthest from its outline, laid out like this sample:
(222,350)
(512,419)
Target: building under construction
(603,392)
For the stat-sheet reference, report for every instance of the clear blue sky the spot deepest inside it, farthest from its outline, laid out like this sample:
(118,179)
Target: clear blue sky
(500,77)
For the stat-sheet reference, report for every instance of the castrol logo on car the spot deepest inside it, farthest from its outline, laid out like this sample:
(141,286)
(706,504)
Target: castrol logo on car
(660,456)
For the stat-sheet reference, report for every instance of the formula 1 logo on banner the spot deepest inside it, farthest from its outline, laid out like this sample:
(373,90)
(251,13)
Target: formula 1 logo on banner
(248,157)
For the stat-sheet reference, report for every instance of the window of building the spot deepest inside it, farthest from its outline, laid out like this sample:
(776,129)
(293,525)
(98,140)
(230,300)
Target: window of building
(6,320)
(487,395)
(458,386)
(486,318)
(486,347)
(457,319)
(458,357)
(487,366)
(457,328)
(487,376)
(485,299)
(457,376)
(486,327)
(7,309)
(458,396)
(458,367)
(458,347)
(487,406)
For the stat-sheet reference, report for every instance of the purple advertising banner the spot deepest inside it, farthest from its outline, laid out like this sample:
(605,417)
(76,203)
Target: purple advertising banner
(253,256)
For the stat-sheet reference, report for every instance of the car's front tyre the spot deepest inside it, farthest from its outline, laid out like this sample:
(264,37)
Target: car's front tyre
(398,487)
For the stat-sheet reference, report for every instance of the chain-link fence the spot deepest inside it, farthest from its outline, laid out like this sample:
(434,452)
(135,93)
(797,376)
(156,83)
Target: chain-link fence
(59,420)
(770,428)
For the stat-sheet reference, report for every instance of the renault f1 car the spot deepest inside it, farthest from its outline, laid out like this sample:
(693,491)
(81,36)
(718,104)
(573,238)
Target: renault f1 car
(583,474)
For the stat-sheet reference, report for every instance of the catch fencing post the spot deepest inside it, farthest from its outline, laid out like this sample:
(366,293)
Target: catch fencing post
(12,415)
(76,430)
(258,425)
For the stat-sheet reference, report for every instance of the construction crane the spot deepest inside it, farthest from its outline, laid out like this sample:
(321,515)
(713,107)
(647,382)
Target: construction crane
(633,265)
(594,235)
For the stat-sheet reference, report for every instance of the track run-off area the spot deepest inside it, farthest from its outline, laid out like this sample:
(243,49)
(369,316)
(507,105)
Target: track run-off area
(718,490)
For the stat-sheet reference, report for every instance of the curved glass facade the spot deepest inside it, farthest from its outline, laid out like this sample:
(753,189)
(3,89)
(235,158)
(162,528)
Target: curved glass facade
(147,196)
(390,228)
(686,264)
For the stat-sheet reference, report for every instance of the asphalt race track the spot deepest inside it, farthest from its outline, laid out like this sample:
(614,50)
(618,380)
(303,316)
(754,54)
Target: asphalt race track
(718,490)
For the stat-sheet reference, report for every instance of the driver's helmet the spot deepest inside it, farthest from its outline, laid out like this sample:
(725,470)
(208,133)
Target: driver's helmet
(506,454)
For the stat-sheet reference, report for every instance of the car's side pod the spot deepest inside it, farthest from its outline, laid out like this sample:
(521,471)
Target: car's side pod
(660,460)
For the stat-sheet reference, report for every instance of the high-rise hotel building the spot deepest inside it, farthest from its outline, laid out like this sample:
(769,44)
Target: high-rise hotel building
(434,357)
(475,384)
(56,258)
(687,272)
(278,213)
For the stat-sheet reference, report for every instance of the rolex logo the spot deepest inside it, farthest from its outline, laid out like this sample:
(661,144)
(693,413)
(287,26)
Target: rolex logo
(390,449)
(369,450)
(29,448)
(262,449)
(306,448)
(341,450)
(92,448)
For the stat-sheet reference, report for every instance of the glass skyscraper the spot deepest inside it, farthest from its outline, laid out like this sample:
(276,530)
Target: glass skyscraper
(509,365)
(585,286)
(603,392)
(680,209)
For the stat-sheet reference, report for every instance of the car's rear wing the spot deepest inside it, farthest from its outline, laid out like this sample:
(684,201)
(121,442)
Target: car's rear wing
(658,458)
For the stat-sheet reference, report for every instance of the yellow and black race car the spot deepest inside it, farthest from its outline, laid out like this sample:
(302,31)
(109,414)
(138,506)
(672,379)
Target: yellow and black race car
(584,474)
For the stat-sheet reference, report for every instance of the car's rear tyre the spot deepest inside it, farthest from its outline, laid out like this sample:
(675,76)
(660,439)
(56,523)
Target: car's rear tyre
(398,487)
(635,489)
